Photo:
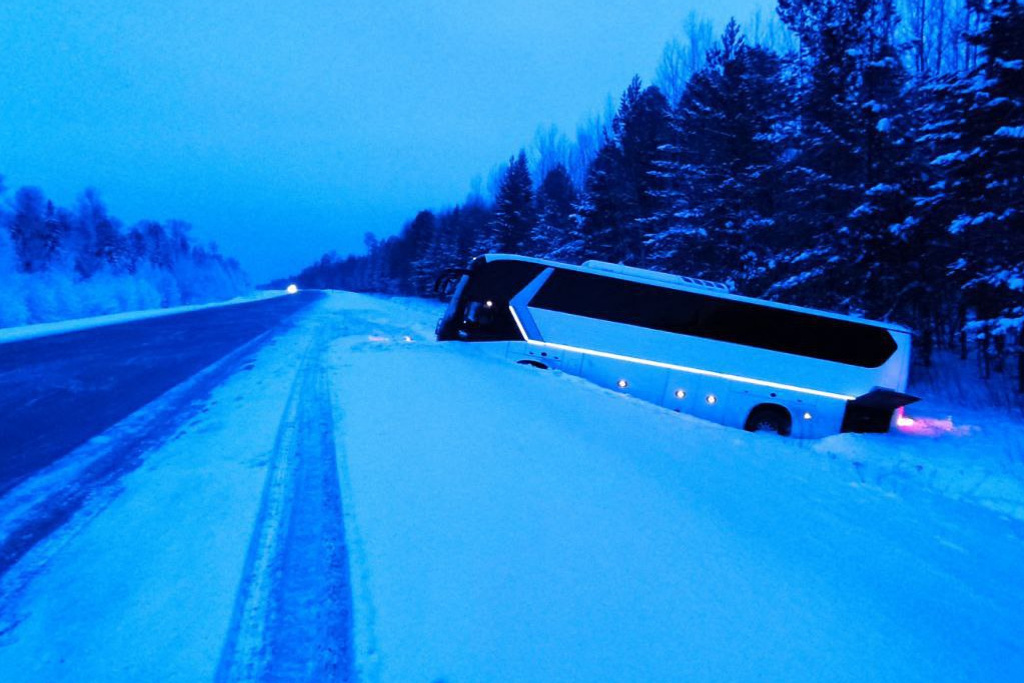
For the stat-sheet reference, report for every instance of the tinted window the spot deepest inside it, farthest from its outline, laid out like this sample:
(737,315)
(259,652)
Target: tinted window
(700,315)
(496,282)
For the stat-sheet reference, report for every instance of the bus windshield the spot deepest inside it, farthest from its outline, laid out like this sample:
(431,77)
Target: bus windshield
(479,309)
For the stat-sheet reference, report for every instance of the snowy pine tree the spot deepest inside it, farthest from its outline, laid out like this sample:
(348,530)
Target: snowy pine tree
(623,198)
(556,207)
(849,186)
(514,215)
(977,183)
(721,171)
(878,264)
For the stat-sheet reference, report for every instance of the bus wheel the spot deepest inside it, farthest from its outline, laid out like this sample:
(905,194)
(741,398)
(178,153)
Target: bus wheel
(769,418)
(533,364)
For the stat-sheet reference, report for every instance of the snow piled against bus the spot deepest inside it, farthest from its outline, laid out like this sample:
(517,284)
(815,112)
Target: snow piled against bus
(535,527)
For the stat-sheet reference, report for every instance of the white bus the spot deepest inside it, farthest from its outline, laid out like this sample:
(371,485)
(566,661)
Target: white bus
(686,344)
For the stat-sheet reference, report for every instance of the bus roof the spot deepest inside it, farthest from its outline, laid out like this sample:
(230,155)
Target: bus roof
(707,288)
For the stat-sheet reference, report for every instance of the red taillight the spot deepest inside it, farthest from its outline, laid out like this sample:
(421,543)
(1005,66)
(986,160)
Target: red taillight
(902,420)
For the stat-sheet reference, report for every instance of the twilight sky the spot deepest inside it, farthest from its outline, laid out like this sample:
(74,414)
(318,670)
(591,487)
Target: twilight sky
(282,130)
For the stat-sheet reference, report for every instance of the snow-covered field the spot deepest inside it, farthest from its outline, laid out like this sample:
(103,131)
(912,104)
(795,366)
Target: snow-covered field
(504,523)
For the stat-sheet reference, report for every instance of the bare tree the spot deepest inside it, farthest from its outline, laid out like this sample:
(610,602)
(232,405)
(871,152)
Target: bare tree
(551,148)
(680,58)
(769,32)
(590,135)
(934,33)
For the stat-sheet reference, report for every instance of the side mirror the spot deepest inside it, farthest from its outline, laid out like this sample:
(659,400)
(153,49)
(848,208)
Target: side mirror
(445,283)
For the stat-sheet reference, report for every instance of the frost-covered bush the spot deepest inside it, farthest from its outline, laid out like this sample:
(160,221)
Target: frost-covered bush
(57,263)
(13,310)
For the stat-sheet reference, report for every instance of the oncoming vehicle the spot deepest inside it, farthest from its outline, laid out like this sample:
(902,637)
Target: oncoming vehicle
(686,344)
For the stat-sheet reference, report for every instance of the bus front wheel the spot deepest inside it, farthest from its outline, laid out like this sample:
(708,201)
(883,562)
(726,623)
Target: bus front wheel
(770,418)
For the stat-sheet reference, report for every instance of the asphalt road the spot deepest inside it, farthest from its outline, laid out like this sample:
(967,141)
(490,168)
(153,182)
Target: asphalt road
(57,392)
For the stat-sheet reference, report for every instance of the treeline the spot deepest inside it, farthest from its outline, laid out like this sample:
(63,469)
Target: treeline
(58,263)
(870,161)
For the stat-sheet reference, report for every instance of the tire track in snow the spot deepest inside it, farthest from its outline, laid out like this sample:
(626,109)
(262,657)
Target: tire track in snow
(293,610)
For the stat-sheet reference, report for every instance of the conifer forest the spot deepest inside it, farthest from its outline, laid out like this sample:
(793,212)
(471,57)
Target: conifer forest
(861,156)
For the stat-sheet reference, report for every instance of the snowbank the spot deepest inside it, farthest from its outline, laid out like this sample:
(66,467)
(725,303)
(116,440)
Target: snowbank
(512,524)
(11,334)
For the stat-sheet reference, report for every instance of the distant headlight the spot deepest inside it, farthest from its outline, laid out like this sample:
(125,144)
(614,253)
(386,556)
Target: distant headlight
(292,289)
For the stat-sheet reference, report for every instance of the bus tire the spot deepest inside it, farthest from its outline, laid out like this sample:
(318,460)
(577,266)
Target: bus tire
(769,417)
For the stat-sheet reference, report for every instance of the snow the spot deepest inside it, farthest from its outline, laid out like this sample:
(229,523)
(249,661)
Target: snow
(23,332)
(952,157)
(1010,132)
(506,523)
(881,189)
